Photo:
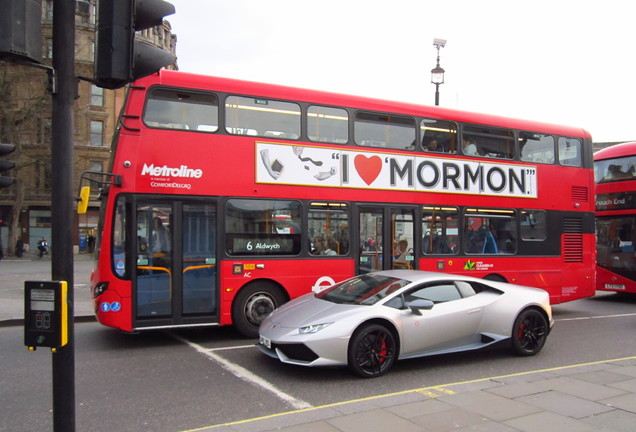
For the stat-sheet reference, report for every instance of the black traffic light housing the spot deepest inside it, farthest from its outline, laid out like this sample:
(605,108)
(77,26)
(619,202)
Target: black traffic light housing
(21,30)
(120,58)
(6,165)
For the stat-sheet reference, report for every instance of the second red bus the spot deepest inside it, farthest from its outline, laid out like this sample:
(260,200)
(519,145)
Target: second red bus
(615,174)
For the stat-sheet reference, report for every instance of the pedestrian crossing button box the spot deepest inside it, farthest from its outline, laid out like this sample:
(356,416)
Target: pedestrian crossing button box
(45,314)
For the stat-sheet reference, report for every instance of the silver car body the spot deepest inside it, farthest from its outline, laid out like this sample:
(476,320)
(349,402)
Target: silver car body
(467,323)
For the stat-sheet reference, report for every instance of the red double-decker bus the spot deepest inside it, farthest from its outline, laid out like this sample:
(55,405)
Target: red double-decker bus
(615,175)
(228,198)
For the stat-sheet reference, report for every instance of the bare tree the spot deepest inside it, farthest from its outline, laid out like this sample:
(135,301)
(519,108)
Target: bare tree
(25,102)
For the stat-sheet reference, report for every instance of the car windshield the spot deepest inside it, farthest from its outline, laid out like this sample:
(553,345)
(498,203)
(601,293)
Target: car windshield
(365,289)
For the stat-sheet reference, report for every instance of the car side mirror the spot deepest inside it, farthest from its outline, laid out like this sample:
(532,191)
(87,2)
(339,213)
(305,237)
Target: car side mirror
(420,304)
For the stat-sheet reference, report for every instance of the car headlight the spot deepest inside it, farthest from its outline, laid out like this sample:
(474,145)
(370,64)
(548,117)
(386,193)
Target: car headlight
(314,328)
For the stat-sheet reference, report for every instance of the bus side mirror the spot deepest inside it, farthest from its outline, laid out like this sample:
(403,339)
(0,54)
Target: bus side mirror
(82,205)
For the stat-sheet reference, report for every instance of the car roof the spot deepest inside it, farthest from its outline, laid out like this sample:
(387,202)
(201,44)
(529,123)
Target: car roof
(420,275)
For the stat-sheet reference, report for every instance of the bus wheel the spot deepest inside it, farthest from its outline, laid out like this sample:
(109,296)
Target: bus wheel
(529,332)
(252,305)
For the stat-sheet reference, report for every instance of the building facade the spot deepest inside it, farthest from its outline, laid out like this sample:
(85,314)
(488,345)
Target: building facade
(25,120)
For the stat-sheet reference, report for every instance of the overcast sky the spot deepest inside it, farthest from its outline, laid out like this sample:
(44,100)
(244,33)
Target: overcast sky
(569,62)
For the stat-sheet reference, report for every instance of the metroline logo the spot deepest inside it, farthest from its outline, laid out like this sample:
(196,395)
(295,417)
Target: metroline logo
(166,171)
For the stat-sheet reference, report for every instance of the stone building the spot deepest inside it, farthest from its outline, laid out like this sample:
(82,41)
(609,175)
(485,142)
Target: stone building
(25,120)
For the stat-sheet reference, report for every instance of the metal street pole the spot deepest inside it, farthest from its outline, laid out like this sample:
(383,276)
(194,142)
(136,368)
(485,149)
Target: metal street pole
(436,94)
(62,202)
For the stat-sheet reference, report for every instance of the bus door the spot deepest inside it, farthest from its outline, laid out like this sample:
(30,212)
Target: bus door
(387,238)
(175,280)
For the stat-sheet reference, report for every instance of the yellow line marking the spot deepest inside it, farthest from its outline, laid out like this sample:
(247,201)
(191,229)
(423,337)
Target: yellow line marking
(428,393)
(421,390)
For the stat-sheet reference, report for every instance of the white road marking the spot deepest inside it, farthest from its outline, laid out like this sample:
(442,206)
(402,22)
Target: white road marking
(598,317)
(246,375)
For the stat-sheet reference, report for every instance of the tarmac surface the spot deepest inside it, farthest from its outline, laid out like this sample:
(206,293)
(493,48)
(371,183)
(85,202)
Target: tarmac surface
(598,396)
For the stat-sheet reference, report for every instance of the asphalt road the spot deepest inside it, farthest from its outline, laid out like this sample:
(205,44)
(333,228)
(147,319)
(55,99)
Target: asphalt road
(182,380)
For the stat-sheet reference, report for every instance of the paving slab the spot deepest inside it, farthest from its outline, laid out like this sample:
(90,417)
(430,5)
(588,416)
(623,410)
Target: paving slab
(565,404)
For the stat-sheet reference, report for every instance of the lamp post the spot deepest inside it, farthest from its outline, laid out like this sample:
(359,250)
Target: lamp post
(437,73)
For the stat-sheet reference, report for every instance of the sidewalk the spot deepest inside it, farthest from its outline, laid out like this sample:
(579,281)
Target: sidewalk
(12,286)
(588,397)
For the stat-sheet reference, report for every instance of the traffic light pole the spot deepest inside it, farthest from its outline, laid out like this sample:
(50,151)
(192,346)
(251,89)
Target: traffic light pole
(62,203)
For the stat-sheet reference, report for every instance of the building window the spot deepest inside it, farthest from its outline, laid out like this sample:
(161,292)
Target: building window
(48,10)
(48,48)
(45,130)
(42,175)
(95,166)
(97,133)
(97,95)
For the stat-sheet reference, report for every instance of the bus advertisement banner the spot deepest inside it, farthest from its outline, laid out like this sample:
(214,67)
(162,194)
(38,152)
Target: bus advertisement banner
(336,167)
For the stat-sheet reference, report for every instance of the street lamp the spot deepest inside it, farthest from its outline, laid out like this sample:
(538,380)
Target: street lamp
(437,73)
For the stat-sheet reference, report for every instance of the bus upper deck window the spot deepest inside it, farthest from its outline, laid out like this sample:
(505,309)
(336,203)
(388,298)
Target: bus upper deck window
(384,130)
(184,110)
(570,152)
(438,136)
(490,142)
(536,147)
(326,124)
(262,117)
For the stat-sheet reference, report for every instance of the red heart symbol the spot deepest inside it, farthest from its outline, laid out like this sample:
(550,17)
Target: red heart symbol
(368,167)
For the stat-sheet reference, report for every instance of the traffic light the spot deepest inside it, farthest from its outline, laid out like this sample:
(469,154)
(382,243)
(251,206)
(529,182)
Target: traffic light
(6,165)
(120,57)
(20,30)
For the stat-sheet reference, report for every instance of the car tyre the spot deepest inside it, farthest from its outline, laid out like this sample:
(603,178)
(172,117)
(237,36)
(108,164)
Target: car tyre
(252,305)
(372,351)
(529,332)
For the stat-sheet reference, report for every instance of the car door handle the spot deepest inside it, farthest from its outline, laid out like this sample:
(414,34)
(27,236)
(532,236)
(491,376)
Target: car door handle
(472,311)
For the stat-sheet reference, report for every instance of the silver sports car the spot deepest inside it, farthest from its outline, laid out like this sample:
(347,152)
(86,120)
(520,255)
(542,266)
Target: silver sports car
(369,321)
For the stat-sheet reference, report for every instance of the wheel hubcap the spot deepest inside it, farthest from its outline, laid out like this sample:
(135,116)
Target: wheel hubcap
(258,307)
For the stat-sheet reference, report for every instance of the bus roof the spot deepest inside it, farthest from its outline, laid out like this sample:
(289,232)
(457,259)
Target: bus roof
(616,151)
(203,82)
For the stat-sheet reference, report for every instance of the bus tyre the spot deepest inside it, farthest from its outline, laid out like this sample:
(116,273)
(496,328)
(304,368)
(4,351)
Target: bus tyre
(252,305)
(372,351)
(529,332)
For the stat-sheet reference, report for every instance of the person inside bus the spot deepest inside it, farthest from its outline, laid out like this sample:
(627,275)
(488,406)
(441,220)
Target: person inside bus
(434,145)
(401,251)
(615,172)
(331,247)
(160,238)
(469,147)
(318,246)
(436,243)
(400,256)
